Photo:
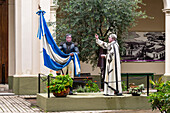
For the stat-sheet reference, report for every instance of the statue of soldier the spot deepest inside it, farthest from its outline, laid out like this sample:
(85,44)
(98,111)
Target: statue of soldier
(68,47)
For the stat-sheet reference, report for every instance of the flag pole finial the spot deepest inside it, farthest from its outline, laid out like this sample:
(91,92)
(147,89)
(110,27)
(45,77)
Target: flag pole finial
(39,7)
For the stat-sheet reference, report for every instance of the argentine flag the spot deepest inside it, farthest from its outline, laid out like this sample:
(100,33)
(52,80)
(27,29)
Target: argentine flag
(54,58)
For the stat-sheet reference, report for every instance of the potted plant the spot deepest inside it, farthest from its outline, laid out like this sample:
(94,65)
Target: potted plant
(59,85)
(136,90)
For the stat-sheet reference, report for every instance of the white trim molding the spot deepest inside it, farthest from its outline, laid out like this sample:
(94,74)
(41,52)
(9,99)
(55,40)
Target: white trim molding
(166,11)
(25,75)
(167,74)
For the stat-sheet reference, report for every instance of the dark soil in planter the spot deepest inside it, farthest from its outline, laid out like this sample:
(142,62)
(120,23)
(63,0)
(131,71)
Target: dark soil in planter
(135,94)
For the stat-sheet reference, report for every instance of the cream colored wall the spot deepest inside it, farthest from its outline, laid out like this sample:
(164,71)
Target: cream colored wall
(158,68)
(87,68)
(144,67)
(153,8)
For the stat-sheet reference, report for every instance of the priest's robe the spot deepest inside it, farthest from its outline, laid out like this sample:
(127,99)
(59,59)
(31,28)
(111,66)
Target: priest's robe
(113,67)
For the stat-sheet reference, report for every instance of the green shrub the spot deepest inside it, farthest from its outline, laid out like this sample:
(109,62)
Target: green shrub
(124,87)
(161,98)
(80,89)
(89,87)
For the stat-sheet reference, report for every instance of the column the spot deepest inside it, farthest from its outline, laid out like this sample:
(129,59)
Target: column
(27,45)
(53,8)
(11,41)
(166,10)
(35,41)
(28,48)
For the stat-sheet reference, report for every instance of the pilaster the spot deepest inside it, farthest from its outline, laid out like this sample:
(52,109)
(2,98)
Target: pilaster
(166,10)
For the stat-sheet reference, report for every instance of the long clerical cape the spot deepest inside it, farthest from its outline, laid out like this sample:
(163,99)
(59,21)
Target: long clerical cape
(113,67)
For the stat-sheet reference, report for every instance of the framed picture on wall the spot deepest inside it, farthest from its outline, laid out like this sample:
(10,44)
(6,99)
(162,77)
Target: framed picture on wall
(144,46)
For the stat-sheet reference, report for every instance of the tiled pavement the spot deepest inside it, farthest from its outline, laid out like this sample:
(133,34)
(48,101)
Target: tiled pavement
(16,104)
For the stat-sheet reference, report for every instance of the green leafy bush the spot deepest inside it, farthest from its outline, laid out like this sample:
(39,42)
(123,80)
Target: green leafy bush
(80,89)
(124,87)
(60,83)
(161,98)
(89,87)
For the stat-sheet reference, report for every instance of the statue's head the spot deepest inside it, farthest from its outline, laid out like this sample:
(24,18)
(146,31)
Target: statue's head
(112,37)
(68,37)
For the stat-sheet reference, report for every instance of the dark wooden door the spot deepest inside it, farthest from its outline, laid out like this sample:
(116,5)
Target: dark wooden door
(3,41)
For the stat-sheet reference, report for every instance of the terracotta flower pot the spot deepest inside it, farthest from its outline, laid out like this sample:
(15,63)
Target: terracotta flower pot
(62,93)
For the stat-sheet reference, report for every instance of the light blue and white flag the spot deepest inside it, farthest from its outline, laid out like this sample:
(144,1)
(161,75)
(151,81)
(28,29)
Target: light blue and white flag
(54,58)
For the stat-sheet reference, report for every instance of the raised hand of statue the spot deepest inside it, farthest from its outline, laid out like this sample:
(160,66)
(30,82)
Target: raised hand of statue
(96,36)
(71,54)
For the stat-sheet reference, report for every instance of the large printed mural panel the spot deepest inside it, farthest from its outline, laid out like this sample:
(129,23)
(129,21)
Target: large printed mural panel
(144,46)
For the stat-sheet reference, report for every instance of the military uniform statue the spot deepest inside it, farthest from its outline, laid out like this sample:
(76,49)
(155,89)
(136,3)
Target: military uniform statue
(68,47)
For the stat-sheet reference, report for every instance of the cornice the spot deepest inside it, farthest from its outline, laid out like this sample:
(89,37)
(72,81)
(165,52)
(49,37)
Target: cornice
(54,7)
(166,10)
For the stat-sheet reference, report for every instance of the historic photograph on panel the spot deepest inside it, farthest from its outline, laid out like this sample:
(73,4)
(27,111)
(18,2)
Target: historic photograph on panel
(144,46)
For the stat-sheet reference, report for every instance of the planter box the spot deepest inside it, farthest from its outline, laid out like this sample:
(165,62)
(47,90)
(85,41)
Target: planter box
(91,101)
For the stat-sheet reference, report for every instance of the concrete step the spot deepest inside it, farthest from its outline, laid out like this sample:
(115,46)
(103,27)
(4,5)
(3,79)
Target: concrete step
(7,94)
(4,90)
(4,87)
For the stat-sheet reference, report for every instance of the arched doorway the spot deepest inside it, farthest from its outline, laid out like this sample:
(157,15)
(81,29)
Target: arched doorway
(3,41)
